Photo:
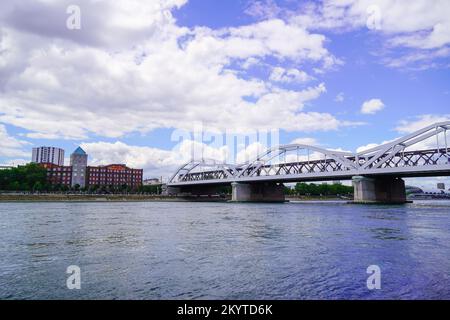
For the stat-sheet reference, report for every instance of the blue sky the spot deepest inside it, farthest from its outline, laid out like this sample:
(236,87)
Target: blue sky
(123,83)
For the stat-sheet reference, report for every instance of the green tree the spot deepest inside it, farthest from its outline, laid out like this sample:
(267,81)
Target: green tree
(23,178)
(322,189)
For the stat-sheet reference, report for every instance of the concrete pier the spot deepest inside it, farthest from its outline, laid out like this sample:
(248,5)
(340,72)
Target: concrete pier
(169,191)
(383,189)
(257,192)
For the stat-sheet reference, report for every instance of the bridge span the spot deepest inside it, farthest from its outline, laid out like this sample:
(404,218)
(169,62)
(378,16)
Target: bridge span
(376,172)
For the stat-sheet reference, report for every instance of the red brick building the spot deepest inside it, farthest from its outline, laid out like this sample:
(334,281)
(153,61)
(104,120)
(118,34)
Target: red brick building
(79,174)
(115,175)
(58,175)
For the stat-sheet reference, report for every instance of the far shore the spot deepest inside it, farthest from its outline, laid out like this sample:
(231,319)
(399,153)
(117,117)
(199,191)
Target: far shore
(49,197)
(17,197)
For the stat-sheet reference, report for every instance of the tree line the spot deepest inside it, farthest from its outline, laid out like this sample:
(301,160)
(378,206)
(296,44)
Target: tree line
(33,178)
(30,177)
(324,189)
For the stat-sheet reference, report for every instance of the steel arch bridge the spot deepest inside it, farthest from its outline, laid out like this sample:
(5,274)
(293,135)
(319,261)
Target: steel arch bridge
(403,157)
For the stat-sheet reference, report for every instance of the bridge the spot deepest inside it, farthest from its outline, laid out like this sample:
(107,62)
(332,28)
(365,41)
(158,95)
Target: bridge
(376,173)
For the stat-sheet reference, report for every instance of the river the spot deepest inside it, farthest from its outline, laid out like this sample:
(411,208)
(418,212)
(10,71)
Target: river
(176,250)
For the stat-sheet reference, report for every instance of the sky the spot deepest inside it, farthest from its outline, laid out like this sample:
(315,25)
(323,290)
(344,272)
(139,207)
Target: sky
(131,81)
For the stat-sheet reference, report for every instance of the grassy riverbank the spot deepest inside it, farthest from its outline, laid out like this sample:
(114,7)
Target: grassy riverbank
(82,198)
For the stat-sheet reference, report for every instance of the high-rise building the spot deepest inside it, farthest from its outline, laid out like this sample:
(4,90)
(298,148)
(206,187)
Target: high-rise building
(78,161)
(48,155)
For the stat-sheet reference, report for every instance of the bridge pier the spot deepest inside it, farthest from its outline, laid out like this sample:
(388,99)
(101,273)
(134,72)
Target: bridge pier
(169,191)
(257,192)
(383,189)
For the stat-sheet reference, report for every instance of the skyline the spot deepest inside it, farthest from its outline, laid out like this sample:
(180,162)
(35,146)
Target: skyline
(323,73)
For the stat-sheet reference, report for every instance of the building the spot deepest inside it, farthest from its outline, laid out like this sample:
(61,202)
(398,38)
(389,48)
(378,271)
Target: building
(78,161)
(58,175)
(78,173)
(152,182)
(114,175)
(48,155)
(3,167)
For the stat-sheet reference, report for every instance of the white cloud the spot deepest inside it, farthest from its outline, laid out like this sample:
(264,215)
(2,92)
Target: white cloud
(420,122)
(372,145)
(110,24)
(10,146)
(250,62)
(266,9)
(15,162)
(58,86)
(420,25)
(293,75)
(340,97)
(396,17)
(307,141)
(372,106)
(409,126)
(429,143)
(249,153)
(157,162)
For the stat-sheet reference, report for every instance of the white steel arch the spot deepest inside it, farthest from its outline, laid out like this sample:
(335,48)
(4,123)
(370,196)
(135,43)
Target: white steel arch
(376,157)
(211,165)
(339,157)
(394,158)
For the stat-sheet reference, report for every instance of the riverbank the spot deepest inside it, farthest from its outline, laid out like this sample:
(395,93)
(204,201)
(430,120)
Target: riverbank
(25,197)
(317,198)
(16,197)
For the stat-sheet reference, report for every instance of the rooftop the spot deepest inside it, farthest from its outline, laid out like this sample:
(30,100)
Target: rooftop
(79,151)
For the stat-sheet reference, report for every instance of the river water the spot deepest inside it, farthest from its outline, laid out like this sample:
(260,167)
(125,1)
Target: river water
(170,250)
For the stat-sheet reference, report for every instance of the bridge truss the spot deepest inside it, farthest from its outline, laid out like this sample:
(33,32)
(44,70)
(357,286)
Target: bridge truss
(411,155)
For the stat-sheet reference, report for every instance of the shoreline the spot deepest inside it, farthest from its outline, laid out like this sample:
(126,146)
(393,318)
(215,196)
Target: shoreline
(101,198)
(5,197)
(11,198)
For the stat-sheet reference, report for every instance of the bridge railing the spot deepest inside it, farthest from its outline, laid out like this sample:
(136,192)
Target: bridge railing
(396,154)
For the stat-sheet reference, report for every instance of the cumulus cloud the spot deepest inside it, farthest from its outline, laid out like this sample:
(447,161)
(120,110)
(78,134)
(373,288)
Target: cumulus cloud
(293,75)
(397,18)
(112,24)
(409,126)
(419,25)
(372,106)
(158,162)
(155,162)
(306,141)
(10,146)
(136,70)
(372,145)
(419,122)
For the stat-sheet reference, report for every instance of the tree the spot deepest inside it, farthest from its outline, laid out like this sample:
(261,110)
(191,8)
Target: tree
(322,189)
(37,186)
(23,178)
